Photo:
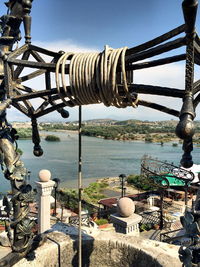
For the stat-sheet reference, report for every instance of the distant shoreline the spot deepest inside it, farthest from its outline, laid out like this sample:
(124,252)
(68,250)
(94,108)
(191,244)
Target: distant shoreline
(73,184)
(140,137)
(112,190)
(130,130)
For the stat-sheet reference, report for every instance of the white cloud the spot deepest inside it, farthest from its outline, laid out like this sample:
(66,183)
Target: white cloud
(171,75)
(65,45)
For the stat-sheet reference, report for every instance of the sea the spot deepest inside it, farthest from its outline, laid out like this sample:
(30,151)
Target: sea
(100,158)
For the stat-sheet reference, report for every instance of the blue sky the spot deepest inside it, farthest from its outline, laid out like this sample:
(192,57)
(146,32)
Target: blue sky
(96,23)
(89,25)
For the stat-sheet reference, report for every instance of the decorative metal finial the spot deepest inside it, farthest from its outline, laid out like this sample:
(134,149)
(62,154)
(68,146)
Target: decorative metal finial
(27,4)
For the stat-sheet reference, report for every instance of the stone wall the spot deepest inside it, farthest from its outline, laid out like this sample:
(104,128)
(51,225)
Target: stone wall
(60,250)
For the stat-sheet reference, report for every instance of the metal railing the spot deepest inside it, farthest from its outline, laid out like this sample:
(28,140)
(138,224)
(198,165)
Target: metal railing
(168,236)
(150,217)
(74,220)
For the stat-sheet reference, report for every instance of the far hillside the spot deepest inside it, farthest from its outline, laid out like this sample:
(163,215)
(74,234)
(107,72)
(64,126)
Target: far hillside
(149,131)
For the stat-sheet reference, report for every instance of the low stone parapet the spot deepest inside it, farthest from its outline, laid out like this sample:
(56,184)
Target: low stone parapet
(106,250)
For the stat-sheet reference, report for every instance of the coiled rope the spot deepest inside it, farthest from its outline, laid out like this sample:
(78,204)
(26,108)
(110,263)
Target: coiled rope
(94,78)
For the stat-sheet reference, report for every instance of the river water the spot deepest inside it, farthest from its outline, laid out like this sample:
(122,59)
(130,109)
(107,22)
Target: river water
(101,158)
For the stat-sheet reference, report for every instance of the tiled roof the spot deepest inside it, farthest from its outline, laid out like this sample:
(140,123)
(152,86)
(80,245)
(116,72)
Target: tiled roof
(108,202)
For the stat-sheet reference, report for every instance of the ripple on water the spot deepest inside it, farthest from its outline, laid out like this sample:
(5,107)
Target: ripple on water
(101,158)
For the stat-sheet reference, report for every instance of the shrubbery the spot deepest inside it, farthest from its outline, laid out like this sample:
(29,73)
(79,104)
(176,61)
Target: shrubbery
(24,133)
(174,144)
(101,221)
(148,138)
(19,151)
(140,182)
(52,138)
(91,194)
(146,227)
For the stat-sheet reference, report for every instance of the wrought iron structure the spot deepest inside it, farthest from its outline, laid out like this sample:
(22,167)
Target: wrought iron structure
(156,171)
(19,65)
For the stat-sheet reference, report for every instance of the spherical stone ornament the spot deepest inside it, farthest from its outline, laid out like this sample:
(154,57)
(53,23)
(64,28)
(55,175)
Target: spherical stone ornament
(44,175)
(126,207)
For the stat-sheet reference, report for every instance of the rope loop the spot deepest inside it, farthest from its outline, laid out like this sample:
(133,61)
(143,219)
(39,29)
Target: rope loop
(94,78)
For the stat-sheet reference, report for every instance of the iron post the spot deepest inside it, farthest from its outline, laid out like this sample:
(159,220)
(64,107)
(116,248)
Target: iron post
(122,178)
(57,182)
(161,208)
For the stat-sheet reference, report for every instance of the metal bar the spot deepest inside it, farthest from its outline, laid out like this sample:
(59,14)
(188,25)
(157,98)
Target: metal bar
(159,107)
(43,94)
(135,49)
(43,51)
(24,88)
(34,95)
(156,50)
(186,195)
(36,73)
(138,88)
(155,63)
(19,69)
(190,12)
(19,51)
(196,101)
(48,110)
(197,47)
(57,97)
(173,238)
(185,127)
(132,58)
(79,186)
(8,79)
(33,64)
(196,58)
(48,100)
(39,65)
(161,208)
(36,56)
(197,39)
(42,106)
(48,80)
(196,87)
(31,76)
(51,99)
(21,108)
(157,40)
(153,90)
(29,107)
(26,103)
(48,88)
(172,231)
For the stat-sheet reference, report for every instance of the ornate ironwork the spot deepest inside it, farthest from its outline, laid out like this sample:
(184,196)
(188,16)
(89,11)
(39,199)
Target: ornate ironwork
(156,171)
(22,194)
(85,220)
(190,254)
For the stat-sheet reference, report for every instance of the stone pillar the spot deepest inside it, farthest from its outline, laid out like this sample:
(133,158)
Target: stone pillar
(126,221)
(44,189)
